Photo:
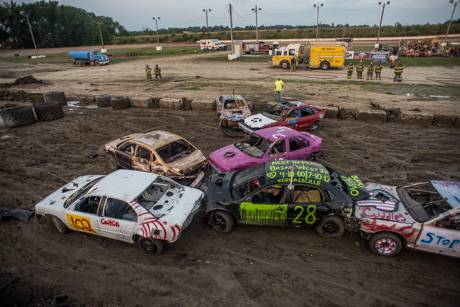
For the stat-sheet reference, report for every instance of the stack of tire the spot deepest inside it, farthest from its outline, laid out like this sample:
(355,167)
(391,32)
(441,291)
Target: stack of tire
(103,101)
(49,110)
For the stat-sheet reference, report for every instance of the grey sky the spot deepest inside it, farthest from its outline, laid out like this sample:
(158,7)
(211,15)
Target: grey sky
(137,14)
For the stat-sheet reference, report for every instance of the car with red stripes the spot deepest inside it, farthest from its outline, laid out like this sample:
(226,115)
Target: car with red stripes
(136,207)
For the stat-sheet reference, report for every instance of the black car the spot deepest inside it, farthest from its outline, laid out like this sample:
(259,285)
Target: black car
(285,193)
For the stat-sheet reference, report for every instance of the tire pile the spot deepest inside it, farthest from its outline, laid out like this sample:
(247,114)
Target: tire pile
(51,109)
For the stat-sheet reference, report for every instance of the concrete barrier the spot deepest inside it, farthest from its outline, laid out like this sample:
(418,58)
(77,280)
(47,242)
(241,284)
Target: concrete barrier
(330,112)
(372,116)
(170,103)
(347,113)
(142,102)
(444,120)
(203,105)
(416,118)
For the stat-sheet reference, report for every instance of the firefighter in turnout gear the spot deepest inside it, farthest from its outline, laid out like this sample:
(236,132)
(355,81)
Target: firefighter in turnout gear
(378,71)
(360,69)
(398,72)
(350,68)
(148,73)
(370,71)
(157,71)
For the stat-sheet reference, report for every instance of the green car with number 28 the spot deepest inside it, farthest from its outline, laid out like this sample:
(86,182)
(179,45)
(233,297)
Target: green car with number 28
(284,193)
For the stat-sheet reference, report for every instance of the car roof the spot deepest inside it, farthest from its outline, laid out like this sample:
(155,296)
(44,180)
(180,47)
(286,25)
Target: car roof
(274,133)
(286,171)
(157,138)
(125,185)
(230,97)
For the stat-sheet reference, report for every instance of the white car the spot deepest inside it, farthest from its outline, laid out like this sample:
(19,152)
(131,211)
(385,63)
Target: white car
(135,207)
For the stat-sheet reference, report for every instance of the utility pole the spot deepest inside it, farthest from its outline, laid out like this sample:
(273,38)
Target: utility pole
(27,16)
(317,5)
(206,12)
(256,10)
(451,17)
(231,24)
(100,34)
(383,4)
(156,22)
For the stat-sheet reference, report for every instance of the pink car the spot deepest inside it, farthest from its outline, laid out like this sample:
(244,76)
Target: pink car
(275,143)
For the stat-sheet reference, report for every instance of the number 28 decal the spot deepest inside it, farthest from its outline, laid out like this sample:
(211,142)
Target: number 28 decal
(309,218)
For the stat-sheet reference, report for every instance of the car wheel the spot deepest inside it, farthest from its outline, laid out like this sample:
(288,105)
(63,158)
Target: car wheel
(284,65)
(151,246)
(221,221)
(314,127)
(111,163)
(385,244)
(60,226)
(331,226)
(325,65)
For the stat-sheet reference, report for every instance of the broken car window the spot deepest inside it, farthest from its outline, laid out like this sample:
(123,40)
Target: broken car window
(256,146)
(156,190)
(297,143)
(143,153)
(175,151)
(128,148)
(80,192)
(120,210)
(88,205)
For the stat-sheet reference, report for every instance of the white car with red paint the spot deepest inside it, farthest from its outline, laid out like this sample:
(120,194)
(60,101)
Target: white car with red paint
(131,206)
(423,216)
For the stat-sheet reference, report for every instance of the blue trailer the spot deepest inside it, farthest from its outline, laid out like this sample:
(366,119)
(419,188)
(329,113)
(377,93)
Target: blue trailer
(88,58)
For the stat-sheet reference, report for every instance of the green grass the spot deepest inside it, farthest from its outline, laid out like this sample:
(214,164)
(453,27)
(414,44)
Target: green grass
(119,56)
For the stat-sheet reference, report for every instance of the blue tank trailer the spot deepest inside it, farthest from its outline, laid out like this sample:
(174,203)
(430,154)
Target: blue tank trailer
(89,58)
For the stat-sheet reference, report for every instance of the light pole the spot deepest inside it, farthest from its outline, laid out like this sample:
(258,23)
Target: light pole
(27,16)
(206,11)
(383,4)
(317,5)
(455,3)
(256,10)
(156,23)
(100,34)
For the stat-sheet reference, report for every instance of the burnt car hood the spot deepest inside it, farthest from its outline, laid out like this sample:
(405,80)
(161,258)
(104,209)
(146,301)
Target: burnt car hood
(189,163)
(230,158)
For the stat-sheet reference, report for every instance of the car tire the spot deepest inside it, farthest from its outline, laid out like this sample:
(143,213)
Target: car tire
(103,101)
(221,221)
(385,244)
(120,103)
(325,65)
(59,225)
(111,162)
(17,116)
(331,226)
(49,111)
(151,246)
(284,64)
(315,126)
(55,97)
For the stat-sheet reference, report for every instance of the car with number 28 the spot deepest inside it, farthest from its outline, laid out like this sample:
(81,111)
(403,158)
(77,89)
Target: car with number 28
(283,193)
(136,207)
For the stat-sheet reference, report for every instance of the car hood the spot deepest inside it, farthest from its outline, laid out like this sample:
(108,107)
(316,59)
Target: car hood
(230,158)
(189,163)
(383,203)
(176,207)
(56,199)
(258,121)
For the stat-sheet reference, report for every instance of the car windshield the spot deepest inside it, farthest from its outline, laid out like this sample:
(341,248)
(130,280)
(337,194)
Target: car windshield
(175,151)
(233,104)
(80,192)
(423,202)
(255,146)
(246,181)
(156,190)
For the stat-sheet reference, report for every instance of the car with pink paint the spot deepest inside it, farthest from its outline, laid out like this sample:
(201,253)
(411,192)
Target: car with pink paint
(264,145)
(142,208)
(423,216)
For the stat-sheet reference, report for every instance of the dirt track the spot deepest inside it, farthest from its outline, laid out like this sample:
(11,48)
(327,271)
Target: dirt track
(252,266)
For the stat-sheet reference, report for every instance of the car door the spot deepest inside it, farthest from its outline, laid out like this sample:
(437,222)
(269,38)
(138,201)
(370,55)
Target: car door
(142,159)
(83,215)
(118,220)
(441,236)
(267,206)
(297,148)
(291,118)
(305,205)
(125,154)
(307,118)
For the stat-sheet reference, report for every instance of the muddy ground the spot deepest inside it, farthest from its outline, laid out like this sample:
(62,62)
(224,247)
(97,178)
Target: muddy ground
(252,266)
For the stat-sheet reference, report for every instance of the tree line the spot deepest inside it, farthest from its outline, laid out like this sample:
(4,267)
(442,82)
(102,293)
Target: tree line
(53,25)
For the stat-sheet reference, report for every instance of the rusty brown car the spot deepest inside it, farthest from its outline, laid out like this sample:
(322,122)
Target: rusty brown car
(159,152)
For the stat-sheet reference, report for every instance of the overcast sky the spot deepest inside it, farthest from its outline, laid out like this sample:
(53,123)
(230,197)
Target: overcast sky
(137,14)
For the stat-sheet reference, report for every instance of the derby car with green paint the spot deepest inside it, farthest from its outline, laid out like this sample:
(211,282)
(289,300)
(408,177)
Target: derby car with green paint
(135,207)
(282,193)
